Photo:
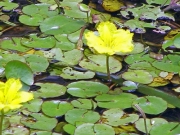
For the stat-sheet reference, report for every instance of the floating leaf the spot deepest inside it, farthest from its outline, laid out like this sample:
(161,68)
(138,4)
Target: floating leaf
(149,104)
(37,42)
(36,62)
(71,9)
(60,25)
(70,57)
(170,63)
(8,5)
(124,100)
(63,43)
(48,90)
(69,129)
(84,103)
(39,121)
(18,69)
(114,117)
(86,89)
(81,115)
(13,44)
(69,73)
(33,105)
(98,63)
(149,122)
(140,76)
(55,108)
(17,131)
(171,128)
(34,20)
(92,129)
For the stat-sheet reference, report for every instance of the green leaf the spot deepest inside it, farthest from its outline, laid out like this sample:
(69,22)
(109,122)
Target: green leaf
(63,42)
(7,6)
(55,108)
(33,105)
(34,20)
(124,100)
(36,42)
(60,25)
(81,115)
(18,69)
(36,62)
(84,104)
(39,121)
(150,123)
(13,44)
(92,129)
(149,104)
(69,73)
(98,63)
(171,128)
(86,89)
(140,76)
(48,90)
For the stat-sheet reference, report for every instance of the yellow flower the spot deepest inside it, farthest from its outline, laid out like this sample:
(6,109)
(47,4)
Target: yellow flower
(10,96)
(109,39)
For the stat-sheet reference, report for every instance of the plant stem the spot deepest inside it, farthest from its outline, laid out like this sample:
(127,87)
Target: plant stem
(1,123)
(108,70)
(144,117)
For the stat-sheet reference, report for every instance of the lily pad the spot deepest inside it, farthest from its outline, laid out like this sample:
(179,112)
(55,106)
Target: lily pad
(34,20)
(140,76)
(150,123)
(114,117)
(71,9)
(36,62)
(94,129)
(8,5)
(5,58)
(60,25)
(17,131)
(39,121)
(13,44)
(98,63)
(63,42)
(39,9)
(18,69)
(124,100)
(70,57)
(55,108)
(86,89)
(149,104)
(48,90)
(33,105)
(36,42)
(81,115)
(170,63)
(69,129)
(69,73)
(171,128)
(84,103)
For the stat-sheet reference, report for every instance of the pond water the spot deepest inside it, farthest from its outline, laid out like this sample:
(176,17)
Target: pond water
(43,44)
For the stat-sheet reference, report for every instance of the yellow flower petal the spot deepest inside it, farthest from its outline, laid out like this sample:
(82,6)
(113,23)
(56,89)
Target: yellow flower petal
(10,95)
(110,40)
(105,30)
(12,87)
(25,96)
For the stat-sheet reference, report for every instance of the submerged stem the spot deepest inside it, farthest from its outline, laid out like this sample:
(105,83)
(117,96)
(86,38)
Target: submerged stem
(107,66)
(1,122)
